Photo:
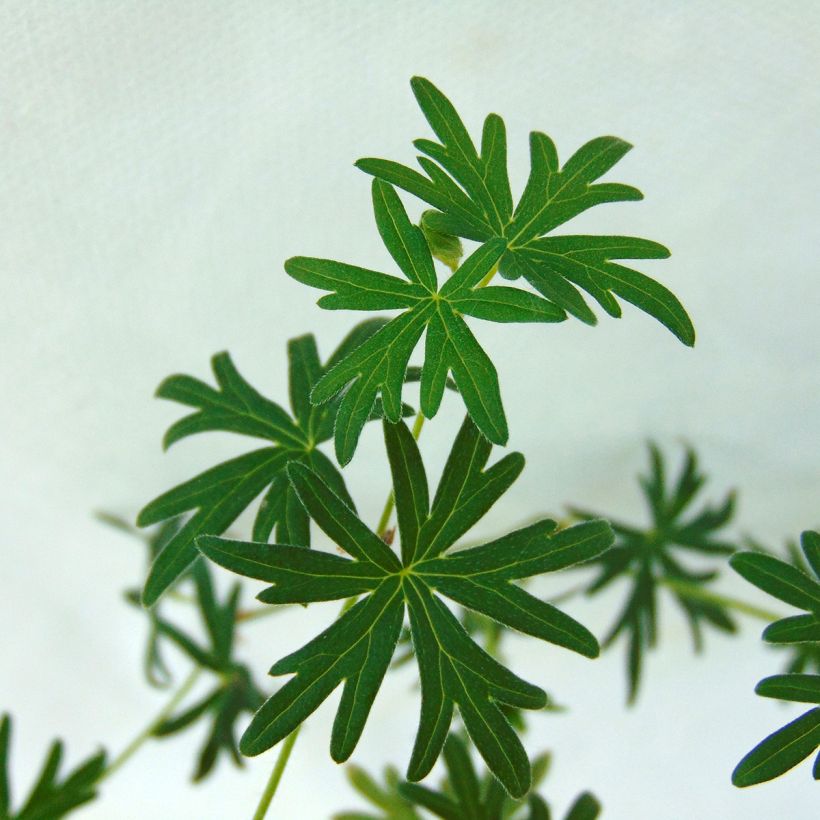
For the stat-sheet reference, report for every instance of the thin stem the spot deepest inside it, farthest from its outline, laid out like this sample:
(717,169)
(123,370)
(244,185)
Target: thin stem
(390,504)
(697,593)
(131,749)
(276,775)
(488,278)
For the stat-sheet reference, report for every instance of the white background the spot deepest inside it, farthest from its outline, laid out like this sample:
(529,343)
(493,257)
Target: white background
(159,161)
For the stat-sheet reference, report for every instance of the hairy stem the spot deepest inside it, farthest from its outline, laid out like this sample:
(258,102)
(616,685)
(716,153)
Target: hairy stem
(695,592)
(131,749)
(276,775)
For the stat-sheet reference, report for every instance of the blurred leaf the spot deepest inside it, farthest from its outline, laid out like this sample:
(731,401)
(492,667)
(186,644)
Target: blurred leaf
(443,246)
(51,796)
(462,795)
(646,558)
(155,668)
(235,692)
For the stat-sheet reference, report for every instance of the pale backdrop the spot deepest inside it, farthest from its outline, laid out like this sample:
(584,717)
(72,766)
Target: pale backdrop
(159,161)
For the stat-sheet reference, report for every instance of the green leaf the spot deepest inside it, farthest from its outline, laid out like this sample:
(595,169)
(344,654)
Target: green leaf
(647,558)
(51,796)
(155,668)
(783,581)
(388,799)
(357,648)
(798,688)
(780,751)
(235,693)
(586,807)
(810,542)
(472,197)
(443,245)
(379,366)
(795,629)
(219,495)
(586,261)
(463,795)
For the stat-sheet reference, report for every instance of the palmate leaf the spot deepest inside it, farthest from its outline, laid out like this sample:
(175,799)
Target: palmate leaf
(647,559)
(386,798)
(235,692)
(463,795)
(378,366)
(52,796)
(219,495)
(470,191)
(798,584)
(357,648)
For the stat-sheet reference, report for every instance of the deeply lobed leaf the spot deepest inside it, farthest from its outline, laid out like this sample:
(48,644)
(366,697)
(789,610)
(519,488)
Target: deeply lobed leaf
(357,648)
(52,796)
(463,794)
(215,498)
(647,559)
(378,367)
(470,191)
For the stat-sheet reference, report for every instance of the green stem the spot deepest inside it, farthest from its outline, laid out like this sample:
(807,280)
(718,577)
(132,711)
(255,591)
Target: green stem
(698,593)
(276,775)
(390,504)
(131,749)
(488,278)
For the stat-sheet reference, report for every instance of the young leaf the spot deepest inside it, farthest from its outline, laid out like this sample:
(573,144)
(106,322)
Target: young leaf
(219,495)
(51,796)
(379,365)
(647,558)
(357,648)
(471,194)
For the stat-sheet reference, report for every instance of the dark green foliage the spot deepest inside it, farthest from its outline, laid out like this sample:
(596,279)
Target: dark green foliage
(470,191)
(358,647)
(799,635)
(234,694)
(379,365)
(647,559)
(219,495)
(52,796)
(790,584)
(463,795)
